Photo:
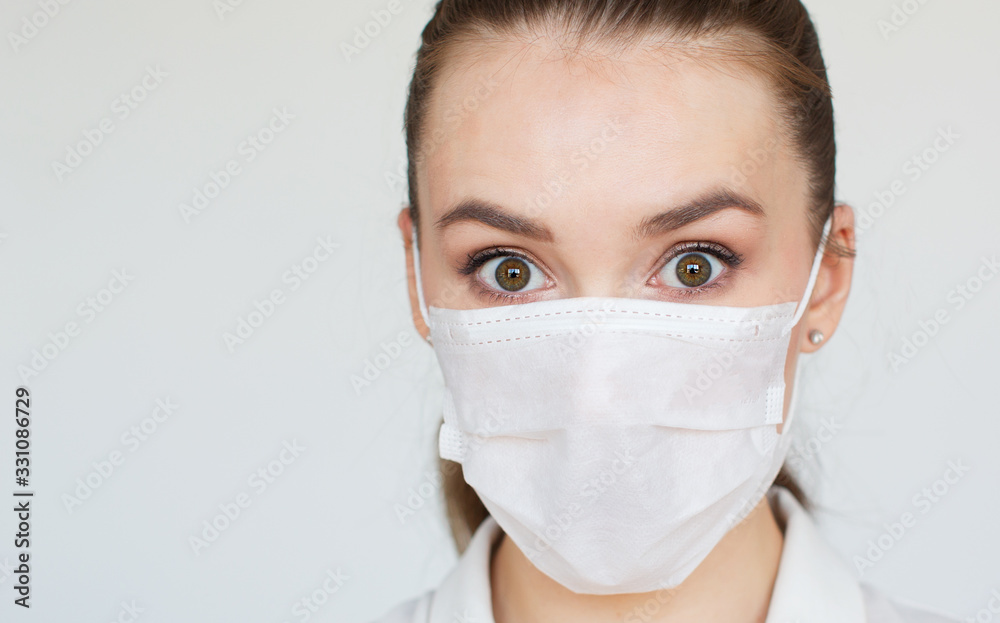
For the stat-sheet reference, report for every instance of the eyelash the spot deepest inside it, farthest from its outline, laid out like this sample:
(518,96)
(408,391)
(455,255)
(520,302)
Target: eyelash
(730,259)
(474,261)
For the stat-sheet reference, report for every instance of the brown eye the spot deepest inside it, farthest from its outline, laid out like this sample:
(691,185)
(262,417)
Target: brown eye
(692,270)
(513,274)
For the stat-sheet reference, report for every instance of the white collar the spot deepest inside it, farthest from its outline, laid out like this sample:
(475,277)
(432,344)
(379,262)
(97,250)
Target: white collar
(813,584)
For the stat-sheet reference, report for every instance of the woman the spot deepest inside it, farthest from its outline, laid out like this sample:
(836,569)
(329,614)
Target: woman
(621,236)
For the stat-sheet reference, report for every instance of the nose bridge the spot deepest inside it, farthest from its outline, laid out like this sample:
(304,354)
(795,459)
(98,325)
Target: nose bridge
(606,286)
(604,268)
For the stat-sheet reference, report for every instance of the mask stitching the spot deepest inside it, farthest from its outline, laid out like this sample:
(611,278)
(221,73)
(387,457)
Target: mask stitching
(444,342)
(522,433)
(602,311)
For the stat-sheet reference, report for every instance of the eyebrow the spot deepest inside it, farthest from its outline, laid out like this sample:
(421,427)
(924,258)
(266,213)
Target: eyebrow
(493,215)
(702,207)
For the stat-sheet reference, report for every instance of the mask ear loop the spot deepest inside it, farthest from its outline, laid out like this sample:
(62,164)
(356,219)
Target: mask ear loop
(813,272)
(420,289)
(785,437)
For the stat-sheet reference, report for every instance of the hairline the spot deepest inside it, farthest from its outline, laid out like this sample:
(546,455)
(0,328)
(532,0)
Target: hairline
(746,47)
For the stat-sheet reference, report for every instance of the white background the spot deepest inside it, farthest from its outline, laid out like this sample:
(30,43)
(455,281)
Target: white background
(325,175)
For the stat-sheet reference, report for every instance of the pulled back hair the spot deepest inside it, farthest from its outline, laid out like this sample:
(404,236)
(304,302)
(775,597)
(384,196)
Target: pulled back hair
(773,37)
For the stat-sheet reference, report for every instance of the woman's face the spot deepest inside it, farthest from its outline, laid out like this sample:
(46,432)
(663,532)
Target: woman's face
(655,175)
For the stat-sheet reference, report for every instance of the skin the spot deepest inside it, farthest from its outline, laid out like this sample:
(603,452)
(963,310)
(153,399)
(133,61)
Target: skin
(673,128)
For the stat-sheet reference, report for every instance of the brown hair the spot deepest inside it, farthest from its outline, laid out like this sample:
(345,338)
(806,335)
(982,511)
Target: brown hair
(775,36)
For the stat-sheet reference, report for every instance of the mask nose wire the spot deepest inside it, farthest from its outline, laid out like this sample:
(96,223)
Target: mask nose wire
(813,272)
(420,289)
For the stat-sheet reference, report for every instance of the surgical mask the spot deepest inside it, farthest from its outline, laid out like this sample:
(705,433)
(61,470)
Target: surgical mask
(616,440)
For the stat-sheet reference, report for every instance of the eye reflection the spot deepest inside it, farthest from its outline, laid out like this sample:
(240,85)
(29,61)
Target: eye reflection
(692,270)
(511,274)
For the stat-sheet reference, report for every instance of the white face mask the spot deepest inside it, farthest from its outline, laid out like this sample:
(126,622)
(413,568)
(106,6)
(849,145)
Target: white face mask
(616,440)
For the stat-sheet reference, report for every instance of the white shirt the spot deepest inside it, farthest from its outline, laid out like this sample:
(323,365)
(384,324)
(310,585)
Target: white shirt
(813,584)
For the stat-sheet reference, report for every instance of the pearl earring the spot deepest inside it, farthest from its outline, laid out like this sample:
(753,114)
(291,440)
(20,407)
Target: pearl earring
(816,336)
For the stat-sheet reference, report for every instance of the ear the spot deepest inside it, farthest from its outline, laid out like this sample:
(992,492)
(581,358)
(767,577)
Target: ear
(833,282)
(406,229)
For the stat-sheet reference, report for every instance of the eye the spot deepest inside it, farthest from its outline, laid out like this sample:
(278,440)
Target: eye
(509,273)
(692,269)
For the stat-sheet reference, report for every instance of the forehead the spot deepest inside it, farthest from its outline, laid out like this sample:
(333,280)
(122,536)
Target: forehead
(509,120)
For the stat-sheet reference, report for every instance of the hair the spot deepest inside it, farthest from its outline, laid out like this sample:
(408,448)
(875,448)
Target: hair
(773,37)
